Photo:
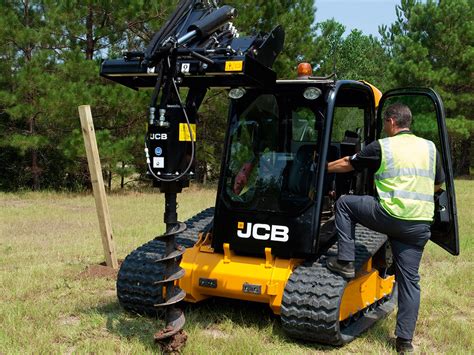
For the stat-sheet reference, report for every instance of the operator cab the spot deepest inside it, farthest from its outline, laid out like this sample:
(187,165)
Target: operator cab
(274,191)
(269,195)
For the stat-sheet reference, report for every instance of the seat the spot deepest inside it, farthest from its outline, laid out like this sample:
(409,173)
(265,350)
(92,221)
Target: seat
(350,145)
(299,176)
(329,179)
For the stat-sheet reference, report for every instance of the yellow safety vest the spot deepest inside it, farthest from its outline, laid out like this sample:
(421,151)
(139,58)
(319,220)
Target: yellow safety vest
(406,177)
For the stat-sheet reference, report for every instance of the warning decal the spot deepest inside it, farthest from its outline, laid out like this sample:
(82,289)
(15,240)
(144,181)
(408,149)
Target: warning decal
(234,65)
(184,135)
(158,162)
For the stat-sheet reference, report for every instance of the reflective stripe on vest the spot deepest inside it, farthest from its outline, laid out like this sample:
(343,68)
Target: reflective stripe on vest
(405,179)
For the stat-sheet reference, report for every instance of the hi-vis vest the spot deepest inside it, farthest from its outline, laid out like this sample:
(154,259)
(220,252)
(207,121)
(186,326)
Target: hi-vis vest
(406,177)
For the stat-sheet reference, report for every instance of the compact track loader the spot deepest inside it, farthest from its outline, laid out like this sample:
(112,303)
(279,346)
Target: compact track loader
(272,227)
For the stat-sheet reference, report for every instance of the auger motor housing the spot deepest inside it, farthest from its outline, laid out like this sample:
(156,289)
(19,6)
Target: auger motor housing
(169,146)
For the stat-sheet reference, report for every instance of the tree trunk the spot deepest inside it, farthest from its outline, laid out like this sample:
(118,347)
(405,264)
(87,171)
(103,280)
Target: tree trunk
(109,180)
(122,176)
(90,43)
(464,163)
(35,171)
(204,177)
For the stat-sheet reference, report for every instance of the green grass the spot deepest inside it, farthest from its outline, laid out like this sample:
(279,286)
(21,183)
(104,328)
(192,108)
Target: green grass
(48,239)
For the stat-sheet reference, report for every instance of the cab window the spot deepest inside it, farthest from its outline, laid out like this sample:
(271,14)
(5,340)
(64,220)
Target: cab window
(273,144)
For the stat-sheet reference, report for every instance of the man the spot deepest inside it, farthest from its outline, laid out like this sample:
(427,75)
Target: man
(406,168)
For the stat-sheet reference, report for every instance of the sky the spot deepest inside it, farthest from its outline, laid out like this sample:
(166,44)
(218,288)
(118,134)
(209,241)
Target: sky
(366,15)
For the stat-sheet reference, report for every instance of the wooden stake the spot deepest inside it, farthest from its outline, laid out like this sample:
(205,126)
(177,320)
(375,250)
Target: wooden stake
(98,185)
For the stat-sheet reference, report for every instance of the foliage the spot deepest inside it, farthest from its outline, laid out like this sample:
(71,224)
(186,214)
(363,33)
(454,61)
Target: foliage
(363,58)
(52,51)
(211,132)
(356,56)
(431,44)
(27,65)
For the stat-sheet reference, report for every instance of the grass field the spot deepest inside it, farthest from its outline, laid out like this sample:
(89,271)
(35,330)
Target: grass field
(47,305)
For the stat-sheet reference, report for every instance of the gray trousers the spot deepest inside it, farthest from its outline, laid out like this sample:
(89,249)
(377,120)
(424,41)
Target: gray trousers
(407,239)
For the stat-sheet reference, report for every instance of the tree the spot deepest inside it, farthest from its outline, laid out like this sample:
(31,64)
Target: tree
(363,58)
(88,31)
(431,44)
(328,42)
(51,53)
(355,57)
(25,50)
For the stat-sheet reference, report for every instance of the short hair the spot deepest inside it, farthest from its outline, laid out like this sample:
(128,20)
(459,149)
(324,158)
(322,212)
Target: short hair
(400,113)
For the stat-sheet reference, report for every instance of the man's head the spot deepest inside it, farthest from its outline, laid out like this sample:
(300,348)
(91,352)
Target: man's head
(397,117)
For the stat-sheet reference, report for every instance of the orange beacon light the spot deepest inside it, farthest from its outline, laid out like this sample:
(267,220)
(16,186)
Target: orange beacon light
(304,70)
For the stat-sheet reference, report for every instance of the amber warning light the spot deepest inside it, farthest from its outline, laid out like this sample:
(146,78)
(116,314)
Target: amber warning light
(304,70)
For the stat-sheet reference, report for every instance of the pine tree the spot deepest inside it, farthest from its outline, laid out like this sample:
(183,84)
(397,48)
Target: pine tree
(363,58)
(328,42)
(431,44)
(88,31)
(51,53)
(26,52)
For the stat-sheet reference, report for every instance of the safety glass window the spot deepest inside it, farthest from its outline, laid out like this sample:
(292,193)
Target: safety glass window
(272,149)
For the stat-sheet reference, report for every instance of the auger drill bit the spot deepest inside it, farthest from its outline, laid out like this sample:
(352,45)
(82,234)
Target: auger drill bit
(173,315)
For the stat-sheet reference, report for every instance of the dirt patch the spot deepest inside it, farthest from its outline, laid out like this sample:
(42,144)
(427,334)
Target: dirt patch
(100,271)
(110,293)
(174,344)
(215,333)
(461,317)
(69,320)
(15,203)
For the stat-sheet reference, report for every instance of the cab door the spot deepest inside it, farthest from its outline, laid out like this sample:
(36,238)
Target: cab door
(429,122)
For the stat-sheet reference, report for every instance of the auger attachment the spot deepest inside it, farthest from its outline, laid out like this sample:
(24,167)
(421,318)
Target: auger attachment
(174,316)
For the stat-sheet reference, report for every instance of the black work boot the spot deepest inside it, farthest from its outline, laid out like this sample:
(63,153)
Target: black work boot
(344,268)
(403,346)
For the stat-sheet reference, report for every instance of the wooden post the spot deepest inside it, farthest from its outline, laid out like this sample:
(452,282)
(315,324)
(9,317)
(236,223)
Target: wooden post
(98,185)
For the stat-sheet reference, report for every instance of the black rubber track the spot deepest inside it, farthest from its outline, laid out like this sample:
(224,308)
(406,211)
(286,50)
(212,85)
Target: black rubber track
(312,296)
(136,288)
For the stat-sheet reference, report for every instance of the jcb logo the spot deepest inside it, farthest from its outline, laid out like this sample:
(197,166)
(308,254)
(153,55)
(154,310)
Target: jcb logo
(262,231)
(158,136)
